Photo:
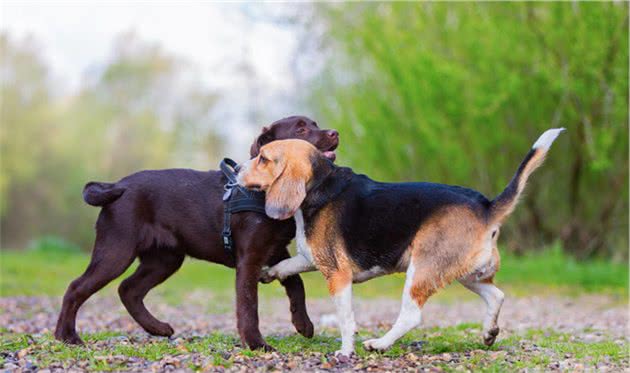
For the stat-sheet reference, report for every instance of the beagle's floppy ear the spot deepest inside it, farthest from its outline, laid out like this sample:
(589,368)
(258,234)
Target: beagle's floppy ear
(265,137)
(285,196)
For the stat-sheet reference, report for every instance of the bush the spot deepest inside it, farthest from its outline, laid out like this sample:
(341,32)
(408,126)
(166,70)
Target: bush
(53,245)
(458,92)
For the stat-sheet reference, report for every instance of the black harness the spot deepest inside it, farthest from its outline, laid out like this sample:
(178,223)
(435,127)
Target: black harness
(237,199)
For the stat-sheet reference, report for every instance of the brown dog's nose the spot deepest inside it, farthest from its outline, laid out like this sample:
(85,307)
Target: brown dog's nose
(332,134)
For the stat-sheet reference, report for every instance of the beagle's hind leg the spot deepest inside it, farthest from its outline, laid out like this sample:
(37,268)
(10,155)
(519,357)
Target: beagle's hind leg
(493,297)
(480,283)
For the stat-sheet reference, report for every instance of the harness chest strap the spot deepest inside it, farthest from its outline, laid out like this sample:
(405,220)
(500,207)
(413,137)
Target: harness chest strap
(236,199)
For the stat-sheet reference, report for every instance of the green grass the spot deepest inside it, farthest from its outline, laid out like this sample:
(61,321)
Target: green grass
(48,272)
(553,268)
(461,342)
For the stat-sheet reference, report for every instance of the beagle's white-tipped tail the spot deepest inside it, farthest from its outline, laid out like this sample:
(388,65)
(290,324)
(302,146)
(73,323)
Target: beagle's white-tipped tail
(504,203)
(546,139)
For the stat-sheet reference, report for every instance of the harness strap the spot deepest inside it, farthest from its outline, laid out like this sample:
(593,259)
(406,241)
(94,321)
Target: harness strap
(228,166)
(236,199)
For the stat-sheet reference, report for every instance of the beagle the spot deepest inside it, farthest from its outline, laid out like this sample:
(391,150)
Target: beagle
(352,229)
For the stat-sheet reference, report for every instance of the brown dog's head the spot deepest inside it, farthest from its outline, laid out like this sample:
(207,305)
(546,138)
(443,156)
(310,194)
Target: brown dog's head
(298,127)
(284,170)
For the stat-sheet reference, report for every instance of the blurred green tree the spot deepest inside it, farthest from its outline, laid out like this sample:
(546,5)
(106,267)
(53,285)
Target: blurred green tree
(458,92)
(141,109)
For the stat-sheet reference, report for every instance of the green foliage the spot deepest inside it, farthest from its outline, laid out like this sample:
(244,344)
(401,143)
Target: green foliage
(140,110)
(54,246)
(554,268)
(458,92)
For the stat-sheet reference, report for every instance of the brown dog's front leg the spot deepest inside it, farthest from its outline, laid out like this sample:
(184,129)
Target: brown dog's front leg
(294,288)
(247,306)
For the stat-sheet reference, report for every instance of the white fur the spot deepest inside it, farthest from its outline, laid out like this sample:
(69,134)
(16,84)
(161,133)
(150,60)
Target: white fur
(345,318)
(244,168)
(409,317)
(375,271)
(493,297)
(289,267)
(546,139)
(302,262)
(300,236)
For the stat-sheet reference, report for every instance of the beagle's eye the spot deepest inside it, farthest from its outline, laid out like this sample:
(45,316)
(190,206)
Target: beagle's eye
(262,159)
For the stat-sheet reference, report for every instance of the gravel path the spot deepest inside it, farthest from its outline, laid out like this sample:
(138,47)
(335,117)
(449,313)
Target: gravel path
(38,315)
(589,318)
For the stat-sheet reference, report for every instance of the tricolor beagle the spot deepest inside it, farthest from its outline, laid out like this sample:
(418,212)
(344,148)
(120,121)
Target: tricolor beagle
(352,228)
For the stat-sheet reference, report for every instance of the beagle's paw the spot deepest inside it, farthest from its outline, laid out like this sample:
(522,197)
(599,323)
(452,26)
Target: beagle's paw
(490,336)
(267,276)
(344,354)
(377,344)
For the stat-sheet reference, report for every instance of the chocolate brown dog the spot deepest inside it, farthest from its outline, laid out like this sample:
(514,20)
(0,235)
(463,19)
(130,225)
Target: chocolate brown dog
(162,216)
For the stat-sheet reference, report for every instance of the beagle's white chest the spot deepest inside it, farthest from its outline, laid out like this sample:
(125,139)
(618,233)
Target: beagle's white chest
(300,237)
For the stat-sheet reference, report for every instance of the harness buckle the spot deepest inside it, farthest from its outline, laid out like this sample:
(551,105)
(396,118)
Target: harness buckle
(227,240)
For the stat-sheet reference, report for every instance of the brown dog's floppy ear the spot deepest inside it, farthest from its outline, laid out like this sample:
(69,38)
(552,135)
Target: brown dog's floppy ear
(262,139)
(284,197)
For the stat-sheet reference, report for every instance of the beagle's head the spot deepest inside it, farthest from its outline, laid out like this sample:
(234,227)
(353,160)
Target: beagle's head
(284,170)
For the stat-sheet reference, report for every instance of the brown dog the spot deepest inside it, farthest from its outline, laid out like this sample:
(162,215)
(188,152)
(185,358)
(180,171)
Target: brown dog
(162,216)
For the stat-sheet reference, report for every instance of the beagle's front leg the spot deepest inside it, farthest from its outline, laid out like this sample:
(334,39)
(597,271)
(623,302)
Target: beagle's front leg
(340,288)
(288,267)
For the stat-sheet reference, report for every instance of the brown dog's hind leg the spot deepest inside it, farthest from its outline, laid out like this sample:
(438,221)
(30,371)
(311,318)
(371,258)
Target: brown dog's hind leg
(294,288)
(152,271)
(109,260)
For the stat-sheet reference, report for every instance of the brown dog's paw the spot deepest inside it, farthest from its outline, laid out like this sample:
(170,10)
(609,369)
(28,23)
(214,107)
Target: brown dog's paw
(304,326)
(71,339)
(262,346)
(162,330)
(490,336)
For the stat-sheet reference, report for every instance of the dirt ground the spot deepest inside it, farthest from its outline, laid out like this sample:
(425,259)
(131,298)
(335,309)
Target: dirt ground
(589,319)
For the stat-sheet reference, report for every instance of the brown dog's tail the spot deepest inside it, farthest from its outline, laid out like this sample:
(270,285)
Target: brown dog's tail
(504,203)
(100,194)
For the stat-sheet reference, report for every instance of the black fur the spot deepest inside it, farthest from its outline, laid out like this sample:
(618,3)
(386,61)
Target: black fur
(379,220)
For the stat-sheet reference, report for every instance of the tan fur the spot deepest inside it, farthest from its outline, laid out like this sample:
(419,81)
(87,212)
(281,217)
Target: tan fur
(536,161)
(284,181)
(338,280)
(326,244)
(444,249)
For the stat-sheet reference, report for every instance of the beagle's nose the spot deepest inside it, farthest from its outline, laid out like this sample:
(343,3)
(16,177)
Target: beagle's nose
(332,134)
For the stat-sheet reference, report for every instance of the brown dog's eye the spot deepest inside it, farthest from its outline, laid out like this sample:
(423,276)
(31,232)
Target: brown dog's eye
(301,130)
(262,160)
